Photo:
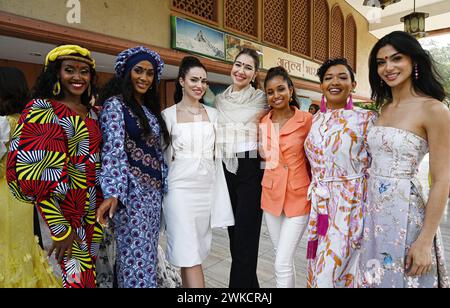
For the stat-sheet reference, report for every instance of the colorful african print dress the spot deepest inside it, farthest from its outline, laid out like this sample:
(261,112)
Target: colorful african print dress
(53,163)
(134,172)
(23,264)
(338,153)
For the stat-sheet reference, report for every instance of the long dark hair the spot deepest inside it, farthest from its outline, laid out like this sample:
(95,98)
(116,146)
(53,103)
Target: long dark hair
(124,87)
(281,72)
(187,64)
(46,81)
(255,56)
(429,82)
(14,92)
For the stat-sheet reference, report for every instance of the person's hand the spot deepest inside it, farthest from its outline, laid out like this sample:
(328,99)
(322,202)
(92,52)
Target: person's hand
(419,260)
(61,247)
(107,208)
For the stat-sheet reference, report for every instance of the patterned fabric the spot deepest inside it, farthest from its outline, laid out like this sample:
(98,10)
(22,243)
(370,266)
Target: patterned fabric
(124,57)
(53,163)
(136,180)
(144,155)
(338,153)
(396,212)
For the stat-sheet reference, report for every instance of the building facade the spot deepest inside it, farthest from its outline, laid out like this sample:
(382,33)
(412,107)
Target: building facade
(290,33)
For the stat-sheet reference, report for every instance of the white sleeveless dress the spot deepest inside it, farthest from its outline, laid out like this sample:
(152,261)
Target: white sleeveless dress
(197,198)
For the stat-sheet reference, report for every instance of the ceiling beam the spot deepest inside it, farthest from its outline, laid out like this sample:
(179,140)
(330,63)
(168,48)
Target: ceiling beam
(434,9)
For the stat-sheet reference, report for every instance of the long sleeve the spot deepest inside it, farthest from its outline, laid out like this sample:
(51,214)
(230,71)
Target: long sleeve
(37,169)
(4,135)
(114,172)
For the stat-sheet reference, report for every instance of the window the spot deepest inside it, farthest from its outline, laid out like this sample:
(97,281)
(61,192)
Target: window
(350,41)
(321,32)
(242,16)
(301,27)
(337,33)
(275,25)
(202,9)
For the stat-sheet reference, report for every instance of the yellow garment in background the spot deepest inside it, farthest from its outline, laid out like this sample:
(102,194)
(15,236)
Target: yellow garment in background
(23,264)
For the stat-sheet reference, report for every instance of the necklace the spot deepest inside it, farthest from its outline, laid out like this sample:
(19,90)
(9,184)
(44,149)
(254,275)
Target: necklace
(193,113)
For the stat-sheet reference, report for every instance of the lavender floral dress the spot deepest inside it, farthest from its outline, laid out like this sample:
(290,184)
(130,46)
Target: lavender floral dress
(396,212)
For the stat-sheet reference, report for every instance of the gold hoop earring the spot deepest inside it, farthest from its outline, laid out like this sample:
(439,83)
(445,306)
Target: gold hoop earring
(89,90)
(57,88)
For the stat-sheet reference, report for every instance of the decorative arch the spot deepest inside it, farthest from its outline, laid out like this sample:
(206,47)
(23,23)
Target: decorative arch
(301,27)
(337,33)
(241,16)
(321,30)
(275,25)
(351,35)
(204,10)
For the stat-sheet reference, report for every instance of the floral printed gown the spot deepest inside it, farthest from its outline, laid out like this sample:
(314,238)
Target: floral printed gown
(337,150)
(396,212)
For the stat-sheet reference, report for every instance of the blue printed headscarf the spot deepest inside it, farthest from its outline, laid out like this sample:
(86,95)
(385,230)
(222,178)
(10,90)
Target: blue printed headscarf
(127,59)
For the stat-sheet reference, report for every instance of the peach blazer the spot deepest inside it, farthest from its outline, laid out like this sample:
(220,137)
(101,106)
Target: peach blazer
(286,176)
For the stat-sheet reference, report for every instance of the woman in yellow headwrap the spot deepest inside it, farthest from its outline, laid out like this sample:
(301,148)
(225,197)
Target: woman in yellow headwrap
(54,160)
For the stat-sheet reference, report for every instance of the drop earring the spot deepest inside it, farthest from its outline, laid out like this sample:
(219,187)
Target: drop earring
(57,88)
(349,105)
(323,105)
(416,71)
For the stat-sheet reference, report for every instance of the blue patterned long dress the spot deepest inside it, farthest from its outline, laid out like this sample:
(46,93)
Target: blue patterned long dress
(133,171)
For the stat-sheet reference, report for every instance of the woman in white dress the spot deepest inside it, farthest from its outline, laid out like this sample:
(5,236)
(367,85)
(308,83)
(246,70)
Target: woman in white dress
(197,198)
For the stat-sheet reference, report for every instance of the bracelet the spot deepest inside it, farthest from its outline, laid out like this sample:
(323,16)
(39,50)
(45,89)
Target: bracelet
(60,239)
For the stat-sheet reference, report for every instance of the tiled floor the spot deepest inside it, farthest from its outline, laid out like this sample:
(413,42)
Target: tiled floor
(217,265)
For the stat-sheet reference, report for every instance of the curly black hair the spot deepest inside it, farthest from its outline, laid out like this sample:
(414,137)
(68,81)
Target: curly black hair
(14,92)
(46,81)
(333,62)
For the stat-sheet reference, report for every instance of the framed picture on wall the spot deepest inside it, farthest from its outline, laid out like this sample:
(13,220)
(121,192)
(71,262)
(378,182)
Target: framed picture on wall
(196,38)
(234,45)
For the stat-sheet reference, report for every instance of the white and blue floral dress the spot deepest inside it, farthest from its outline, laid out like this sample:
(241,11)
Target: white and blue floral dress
(395,213)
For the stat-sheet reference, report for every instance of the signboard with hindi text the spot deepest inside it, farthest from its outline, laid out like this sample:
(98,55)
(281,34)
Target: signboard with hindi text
(296,66)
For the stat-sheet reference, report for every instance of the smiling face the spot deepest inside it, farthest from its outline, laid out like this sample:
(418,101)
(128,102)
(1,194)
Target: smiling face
(195,83)
(278,93)
(337,84)
(75,78)
(142,76)
(243,72)
(394,68)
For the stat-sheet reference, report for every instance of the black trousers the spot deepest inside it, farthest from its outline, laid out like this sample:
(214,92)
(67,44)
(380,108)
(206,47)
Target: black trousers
(245,194)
